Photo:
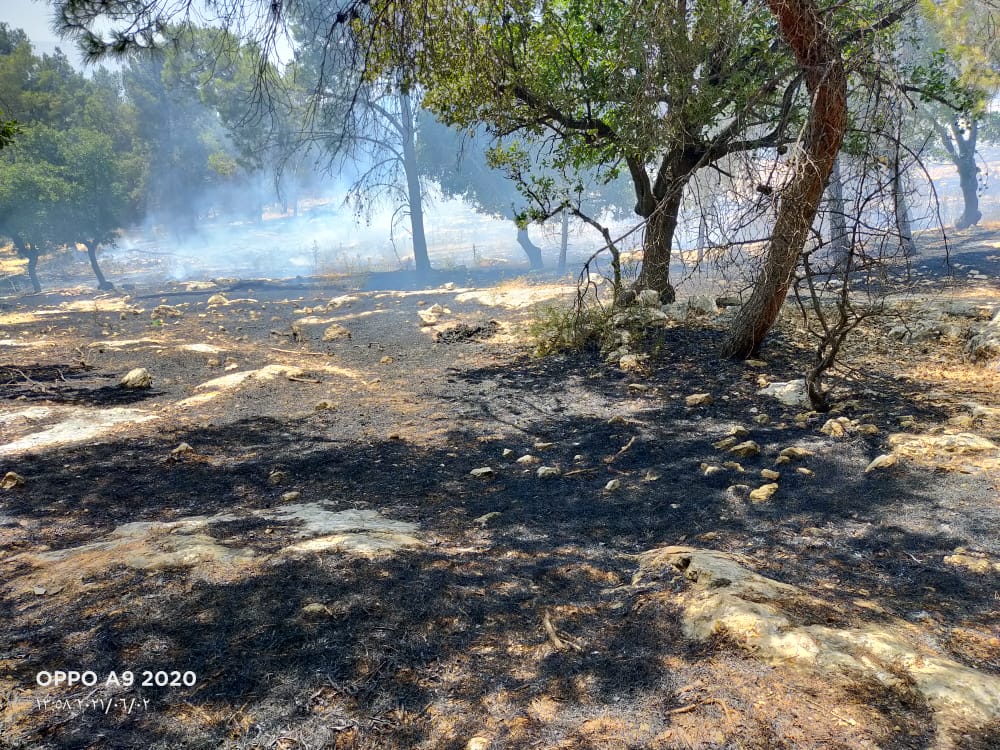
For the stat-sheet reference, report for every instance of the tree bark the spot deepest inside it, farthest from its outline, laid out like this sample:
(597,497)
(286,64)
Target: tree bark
(968,178)
(657,244)
(960,143)
(822,66)
(563,242)
(840,244)
(533,251)
(102,283)
(902,210)
(421,259)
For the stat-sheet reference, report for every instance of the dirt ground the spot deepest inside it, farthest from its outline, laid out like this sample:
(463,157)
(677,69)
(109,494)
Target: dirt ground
(308,541)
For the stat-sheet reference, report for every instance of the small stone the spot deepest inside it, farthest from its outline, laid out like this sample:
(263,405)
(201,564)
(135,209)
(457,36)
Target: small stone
(614,484)
(323,405)
(648,298)
(746,449)
(182,449)
(710,469)
(216,300)
(507,453)
(770,474)
(804,471)
(868,429)
(387,360)
(726,443)
(698,399)
(291,497)
(782,460)
(638,387)
(755,363)
(972,563)
(165,311)
(795,452)
(427,318)
(39,591)
(633,362)
(764,493)
(733,466)
(478,743)
(11,480)
(277,477)
(834,428)
(579,457)
(739,432)
(882,462)
(336,332)
(137,378)
(548,472)
(483,472)
(762,419)
(315,609)
(527,459)
(540,446)
(651,476)
(484,519)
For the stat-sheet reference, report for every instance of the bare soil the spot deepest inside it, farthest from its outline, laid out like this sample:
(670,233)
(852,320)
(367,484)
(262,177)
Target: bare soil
(515,624)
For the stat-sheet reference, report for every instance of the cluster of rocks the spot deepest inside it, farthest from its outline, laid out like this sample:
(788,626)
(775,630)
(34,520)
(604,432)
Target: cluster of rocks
(648,311)
(977,323)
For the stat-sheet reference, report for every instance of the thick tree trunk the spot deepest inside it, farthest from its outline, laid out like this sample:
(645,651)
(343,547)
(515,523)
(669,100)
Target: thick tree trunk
(840,243)
(657,244)
(102,283)
(821,63)
(563,242)
(960,143)
(533,251)
(421,259)
(968,178)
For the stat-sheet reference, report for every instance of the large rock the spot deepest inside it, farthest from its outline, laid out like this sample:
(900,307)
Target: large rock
(985,345)
(771,620)
(138,378)
(792,393)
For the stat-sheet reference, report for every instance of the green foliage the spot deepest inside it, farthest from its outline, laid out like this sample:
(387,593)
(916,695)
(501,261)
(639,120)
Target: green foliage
(557,330)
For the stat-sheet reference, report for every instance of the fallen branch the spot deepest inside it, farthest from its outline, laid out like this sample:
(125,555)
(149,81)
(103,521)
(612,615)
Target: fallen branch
(563,643)
(292,351)
(623,449)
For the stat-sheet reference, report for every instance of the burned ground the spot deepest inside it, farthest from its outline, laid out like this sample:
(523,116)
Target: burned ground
(518,620)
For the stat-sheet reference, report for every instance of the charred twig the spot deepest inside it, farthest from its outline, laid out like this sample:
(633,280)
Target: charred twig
(292,351)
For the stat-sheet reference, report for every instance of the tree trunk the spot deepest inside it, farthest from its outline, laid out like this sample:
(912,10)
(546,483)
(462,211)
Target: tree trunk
(960,143)
(31,253)
(902,211)
(564,242)
(968,178)
(840,243)
(533,251)
(656,246)
(102,283)
(821,63)
(421,259)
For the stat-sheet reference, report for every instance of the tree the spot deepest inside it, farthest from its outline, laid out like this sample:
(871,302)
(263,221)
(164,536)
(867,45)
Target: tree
(365,123)
(74,174)
(458,164)
(33,193)
(826,79)
(8,129)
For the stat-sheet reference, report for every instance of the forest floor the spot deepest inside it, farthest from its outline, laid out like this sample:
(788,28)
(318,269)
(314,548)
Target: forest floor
(293,526)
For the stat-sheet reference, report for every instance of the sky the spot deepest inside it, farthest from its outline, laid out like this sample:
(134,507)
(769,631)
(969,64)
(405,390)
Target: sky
(35,17)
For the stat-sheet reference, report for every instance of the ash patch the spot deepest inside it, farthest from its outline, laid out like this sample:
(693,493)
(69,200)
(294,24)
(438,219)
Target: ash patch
(463,332)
